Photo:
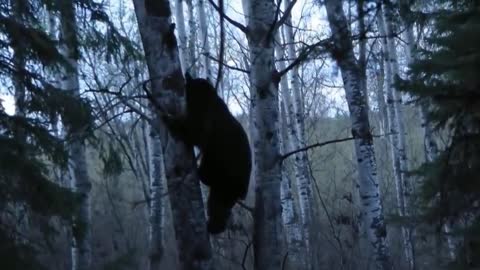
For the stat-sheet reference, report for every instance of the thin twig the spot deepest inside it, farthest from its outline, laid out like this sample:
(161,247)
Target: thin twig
(320,144)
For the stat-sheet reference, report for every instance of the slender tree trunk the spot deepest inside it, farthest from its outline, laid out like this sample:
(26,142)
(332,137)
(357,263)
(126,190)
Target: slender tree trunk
(205,44)
(182,35)
(157,207)
(382,106)
(19,62)
(396,123)
(362,46)
(372,212)
(167,86)
(81,244)
(18,78)
(429,143)
(192,37)
(295,233)
(297,135)
(268,229)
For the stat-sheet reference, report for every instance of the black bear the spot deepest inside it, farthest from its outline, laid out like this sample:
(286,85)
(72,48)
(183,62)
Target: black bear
(226,163)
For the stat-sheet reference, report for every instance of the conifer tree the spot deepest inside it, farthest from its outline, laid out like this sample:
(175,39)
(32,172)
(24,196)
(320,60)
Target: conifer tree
(445,78)
(29,150)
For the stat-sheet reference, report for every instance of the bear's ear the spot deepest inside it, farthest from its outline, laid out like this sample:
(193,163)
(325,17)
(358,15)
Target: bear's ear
(188,77)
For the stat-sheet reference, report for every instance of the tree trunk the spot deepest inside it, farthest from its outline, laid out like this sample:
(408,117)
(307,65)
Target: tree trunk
(157,207)
(167,88)
(268,230)
(295,233)
(205,45)
(397,129)
(192,38)
(182,35)
(81,244)
(19,62)
(297,135)
(372,212)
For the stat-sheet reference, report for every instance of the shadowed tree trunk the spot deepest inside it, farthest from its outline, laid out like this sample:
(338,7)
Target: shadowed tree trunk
(167,90)
(397,127)
(157,207)
(295,233)
(81,244)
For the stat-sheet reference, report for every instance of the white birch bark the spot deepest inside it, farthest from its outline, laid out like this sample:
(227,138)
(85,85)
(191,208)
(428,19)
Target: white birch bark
(182,35)
(167,86)
(295,233)
(268,229)
(205,44)
(192,37)
(380,82)
(81,242)
(157,206)
(297,135)
(397,129)
(372,212)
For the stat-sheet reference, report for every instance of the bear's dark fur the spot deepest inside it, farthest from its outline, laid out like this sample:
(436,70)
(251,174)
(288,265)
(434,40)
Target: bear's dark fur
(226,157)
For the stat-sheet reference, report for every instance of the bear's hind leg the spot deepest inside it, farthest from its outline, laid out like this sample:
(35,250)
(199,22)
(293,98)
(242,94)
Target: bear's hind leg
(219,209)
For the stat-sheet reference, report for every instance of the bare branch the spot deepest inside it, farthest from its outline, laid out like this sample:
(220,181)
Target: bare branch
(286,14)
(246,207)
(228,66)
(303,55)
(240,26)
(245,253)
(320,144)
(222,44)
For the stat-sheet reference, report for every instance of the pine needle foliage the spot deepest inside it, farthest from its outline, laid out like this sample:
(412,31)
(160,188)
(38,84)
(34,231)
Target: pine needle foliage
(29,151)
(445,78)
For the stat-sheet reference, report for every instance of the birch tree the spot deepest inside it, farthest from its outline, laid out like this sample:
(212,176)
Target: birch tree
(192,38)
(204,43)
(297,136)
(156,207)
(182,35)
(19,61)
(396,128)
(372,212)
(268,230)
(81,242)
(295,233)
(167,89)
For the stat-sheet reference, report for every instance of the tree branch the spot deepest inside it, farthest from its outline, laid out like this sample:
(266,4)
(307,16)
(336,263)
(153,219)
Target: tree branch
(240,26)
(222,44)
(320,144)
(228,66)
(286,14)
(306,51)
